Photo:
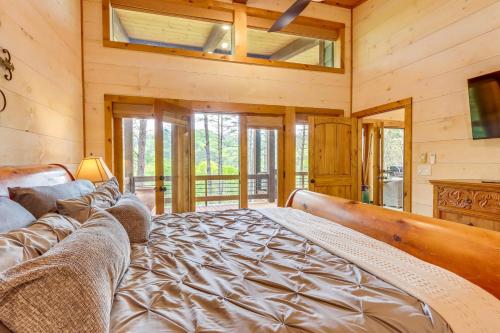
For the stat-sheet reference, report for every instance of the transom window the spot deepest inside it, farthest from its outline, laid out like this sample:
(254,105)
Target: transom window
(223,31)
(291,48)
(171,31)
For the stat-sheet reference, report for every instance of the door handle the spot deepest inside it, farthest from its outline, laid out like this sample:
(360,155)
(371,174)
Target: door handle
(312,181)
(162,188)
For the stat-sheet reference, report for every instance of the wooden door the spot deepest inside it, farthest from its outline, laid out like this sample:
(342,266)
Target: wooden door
(332,156)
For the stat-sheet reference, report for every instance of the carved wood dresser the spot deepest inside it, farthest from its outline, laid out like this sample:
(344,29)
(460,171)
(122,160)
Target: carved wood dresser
(470,202)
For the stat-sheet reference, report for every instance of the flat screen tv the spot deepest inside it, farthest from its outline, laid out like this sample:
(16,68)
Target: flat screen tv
(484,102)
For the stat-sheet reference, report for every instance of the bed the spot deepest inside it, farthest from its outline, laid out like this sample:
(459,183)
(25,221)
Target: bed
(277,271)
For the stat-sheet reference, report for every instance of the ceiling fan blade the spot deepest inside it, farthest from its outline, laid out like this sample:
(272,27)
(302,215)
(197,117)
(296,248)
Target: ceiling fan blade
(289,15)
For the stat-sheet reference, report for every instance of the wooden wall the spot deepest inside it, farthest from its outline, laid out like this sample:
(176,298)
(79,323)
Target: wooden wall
(43,122)
(426,49)
(123,72)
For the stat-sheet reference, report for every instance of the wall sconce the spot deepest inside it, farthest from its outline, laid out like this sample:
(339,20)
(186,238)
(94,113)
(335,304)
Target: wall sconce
(7,64)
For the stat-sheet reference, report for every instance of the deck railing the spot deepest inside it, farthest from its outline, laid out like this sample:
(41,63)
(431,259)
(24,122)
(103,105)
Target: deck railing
(213,189)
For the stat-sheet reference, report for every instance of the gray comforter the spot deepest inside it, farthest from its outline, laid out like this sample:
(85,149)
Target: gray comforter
(238,271)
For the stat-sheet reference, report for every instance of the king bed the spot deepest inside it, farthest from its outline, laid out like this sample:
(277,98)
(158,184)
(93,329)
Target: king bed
(323,264)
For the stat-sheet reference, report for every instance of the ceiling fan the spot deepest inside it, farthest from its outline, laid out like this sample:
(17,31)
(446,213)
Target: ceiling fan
(290,14)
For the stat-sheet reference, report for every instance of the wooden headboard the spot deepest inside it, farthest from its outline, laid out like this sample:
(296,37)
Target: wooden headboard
(470,252)
(28,176)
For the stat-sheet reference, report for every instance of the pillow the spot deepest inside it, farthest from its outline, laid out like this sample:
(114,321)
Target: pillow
(71,287)
(40,200)
(81,208)
(24,244)
(134,216)
(13,215)
(105,196)
(111,187)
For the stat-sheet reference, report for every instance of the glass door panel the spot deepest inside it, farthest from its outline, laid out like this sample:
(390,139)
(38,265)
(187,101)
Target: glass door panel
(262,167)
(156,163)
(392,160)
(166,176)
(216,149)
(139,159)
(302,156)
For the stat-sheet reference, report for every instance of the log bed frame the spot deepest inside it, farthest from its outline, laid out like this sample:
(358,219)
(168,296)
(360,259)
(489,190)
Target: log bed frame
(470,252)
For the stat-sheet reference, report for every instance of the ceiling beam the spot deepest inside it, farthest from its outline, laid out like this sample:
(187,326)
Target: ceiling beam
(294,48)
(215,37)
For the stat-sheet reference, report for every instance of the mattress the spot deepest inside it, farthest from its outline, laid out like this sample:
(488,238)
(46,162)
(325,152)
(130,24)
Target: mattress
(239,271)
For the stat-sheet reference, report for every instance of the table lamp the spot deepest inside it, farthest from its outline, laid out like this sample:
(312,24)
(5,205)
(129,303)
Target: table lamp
(94,169)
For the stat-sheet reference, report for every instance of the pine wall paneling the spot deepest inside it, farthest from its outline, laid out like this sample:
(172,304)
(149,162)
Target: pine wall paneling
(427,49)
(43,120)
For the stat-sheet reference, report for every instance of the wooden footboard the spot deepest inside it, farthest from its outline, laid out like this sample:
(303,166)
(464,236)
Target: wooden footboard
(470,252)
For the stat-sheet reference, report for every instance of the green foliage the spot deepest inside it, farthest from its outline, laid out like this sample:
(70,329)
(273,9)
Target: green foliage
(223,134)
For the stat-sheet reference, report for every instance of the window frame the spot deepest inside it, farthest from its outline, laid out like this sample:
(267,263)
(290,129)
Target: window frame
(240,17)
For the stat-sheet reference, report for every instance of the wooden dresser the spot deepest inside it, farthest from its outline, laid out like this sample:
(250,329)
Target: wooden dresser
(469,202)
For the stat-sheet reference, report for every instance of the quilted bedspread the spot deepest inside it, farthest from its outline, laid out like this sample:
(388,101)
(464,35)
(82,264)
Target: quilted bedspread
(239,271)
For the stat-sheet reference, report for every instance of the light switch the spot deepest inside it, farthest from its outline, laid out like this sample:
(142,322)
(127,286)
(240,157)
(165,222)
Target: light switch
(432,158)
(424,170)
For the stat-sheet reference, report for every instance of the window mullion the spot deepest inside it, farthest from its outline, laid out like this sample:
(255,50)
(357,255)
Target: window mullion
(240,32)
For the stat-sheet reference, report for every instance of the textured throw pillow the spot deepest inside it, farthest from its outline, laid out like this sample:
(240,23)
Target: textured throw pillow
(13,215)
(23,244)
(105,196)
(71,287)
(40,200)
(134,216)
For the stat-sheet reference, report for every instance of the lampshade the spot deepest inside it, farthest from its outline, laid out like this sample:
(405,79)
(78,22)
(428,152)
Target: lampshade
(93,169)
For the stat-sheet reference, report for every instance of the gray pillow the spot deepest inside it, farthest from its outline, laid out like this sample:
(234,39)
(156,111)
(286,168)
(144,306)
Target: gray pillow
(41,200)
(71,287)
(13,215)
(81,208)
(134,216)
(105,196)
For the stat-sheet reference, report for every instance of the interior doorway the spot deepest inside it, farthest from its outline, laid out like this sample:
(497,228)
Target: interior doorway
(385,155)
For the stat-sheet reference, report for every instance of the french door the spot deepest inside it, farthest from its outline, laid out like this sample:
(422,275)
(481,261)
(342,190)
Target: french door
(261,161)
(152,154)
(178,161)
